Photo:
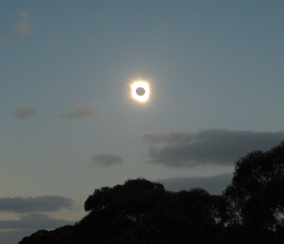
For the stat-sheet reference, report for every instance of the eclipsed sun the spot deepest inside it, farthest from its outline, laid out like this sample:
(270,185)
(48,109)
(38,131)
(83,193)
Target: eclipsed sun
(140,91)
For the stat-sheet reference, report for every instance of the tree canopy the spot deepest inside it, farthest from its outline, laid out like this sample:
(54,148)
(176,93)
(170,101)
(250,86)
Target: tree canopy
(144,211)
(255,197)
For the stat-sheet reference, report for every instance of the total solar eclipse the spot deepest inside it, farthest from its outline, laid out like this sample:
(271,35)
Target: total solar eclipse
(140,91)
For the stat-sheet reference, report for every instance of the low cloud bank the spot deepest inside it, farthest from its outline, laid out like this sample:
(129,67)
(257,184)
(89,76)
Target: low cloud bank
(212,146)
(34,221)
(27,225)
(35,204)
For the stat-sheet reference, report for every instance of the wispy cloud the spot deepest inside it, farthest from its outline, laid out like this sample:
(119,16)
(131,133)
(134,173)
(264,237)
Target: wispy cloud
(35,204)
(82,110)
(105,160)
(24,25)
(25,112)
(213,184)
(212,146)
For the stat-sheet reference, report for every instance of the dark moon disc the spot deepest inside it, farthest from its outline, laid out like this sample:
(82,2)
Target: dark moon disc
(140,91)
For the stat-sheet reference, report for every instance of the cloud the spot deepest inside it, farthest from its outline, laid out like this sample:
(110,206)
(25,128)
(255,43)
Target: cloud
(25,112)
(27,225)
(212,146)
(23,27)
(213,184)
(35,204)
(82,110)
(105,160)
(33,221)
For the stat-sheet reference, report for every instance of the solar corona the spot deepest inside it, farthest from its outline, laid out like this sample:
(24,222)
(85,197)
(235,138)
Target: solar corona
(140,91)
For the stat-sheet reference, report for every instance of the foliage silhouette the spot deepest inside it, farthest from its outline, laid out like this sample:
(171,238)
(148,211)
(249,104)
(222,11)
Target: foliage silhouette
(143,211)
(255,196)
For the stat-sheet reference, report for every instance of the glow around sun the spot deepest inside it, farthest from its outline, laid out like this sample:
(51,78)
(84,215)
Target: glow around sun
(140,91)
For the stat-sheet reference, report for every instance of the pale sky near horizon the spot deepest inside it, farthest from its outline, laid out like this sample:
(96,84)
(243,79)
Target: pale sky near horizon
(68,124)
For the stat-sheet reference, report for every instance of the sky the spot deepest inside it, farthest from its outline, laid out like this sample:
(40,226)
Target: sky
(69,124)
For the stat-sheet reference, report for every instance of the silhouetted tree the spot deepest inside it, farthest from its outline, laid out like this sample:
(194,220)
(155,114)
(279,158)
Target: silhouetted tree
(118,210)
(141,211)
(255,197)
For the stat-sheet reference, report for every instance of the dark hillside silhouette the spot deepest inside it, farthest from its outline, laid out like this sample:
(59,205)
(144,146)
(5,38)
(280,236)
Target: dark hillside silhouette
(143,212)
